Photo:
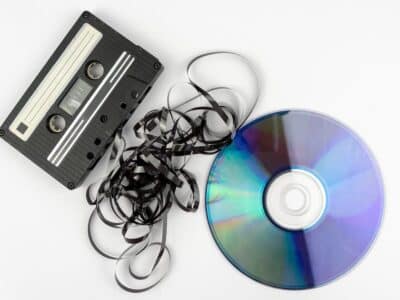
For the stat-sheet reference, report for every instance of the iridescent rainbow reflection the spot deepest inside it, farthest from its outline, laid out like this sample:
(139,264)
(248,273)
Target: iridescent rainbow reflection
(294,259)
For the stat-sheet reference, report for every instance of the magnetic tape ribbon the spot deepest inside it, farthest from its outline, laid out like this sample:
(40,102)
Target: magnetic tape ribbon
(143,182)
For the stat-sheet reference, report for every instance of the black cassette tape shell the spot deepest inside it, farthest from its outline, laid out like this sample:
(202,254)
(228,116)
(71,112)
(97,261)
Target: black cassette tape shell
(86,91)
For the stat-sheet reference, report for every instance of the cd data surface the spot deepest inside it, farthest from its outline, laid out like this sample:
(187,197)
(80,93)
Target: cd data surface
(295,201)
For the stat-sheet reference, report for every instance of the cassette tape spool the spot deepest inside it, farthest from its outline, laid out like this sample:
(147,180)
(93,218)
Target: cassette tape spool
(86,91)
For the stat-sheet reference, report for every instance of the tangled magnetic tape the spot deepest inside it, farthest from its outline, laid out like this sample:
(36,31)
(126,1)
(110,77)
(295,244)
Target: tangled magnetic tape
(142,182)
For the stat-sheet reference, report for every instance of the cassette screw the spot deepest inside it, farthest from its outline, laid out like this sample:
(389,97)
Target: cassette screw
(134,94)
(103,118)
(2,132)
(157,66)
(71,185)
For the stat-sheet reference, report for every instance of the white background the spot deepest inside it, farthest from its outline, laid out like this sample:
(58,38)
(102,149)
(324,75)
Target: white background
(338,57)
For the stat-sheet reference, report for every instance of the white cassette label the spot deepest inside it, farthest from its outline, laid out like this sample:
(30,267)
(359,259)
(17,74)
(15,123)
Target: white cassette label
(56,81)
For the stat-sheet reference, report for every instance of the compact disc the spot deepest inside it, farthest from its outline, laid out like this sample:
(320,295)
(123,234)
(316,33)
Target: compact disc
(295,201)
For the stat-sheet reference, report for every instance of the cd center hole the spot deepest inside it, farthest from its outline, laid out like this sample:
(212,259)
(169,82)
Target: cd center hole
(295,199)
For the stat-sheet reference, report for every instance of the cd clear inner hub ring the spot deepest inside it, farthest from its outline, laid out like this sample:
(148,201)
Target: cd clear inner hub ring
(295,199)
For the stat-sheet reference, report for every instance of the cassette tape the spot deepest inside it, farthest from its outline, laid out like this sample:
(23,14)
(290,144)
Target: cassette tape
(87,90)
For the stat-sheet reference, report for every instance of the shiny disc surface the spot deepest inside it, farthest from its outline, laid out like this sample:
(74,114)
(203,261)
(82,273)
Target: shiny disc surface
(239,220)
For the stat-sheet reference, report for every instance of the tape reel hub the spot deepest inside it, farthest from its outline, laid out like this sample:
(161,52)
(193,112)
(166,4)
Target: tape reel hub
(95,70)
(57,123)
